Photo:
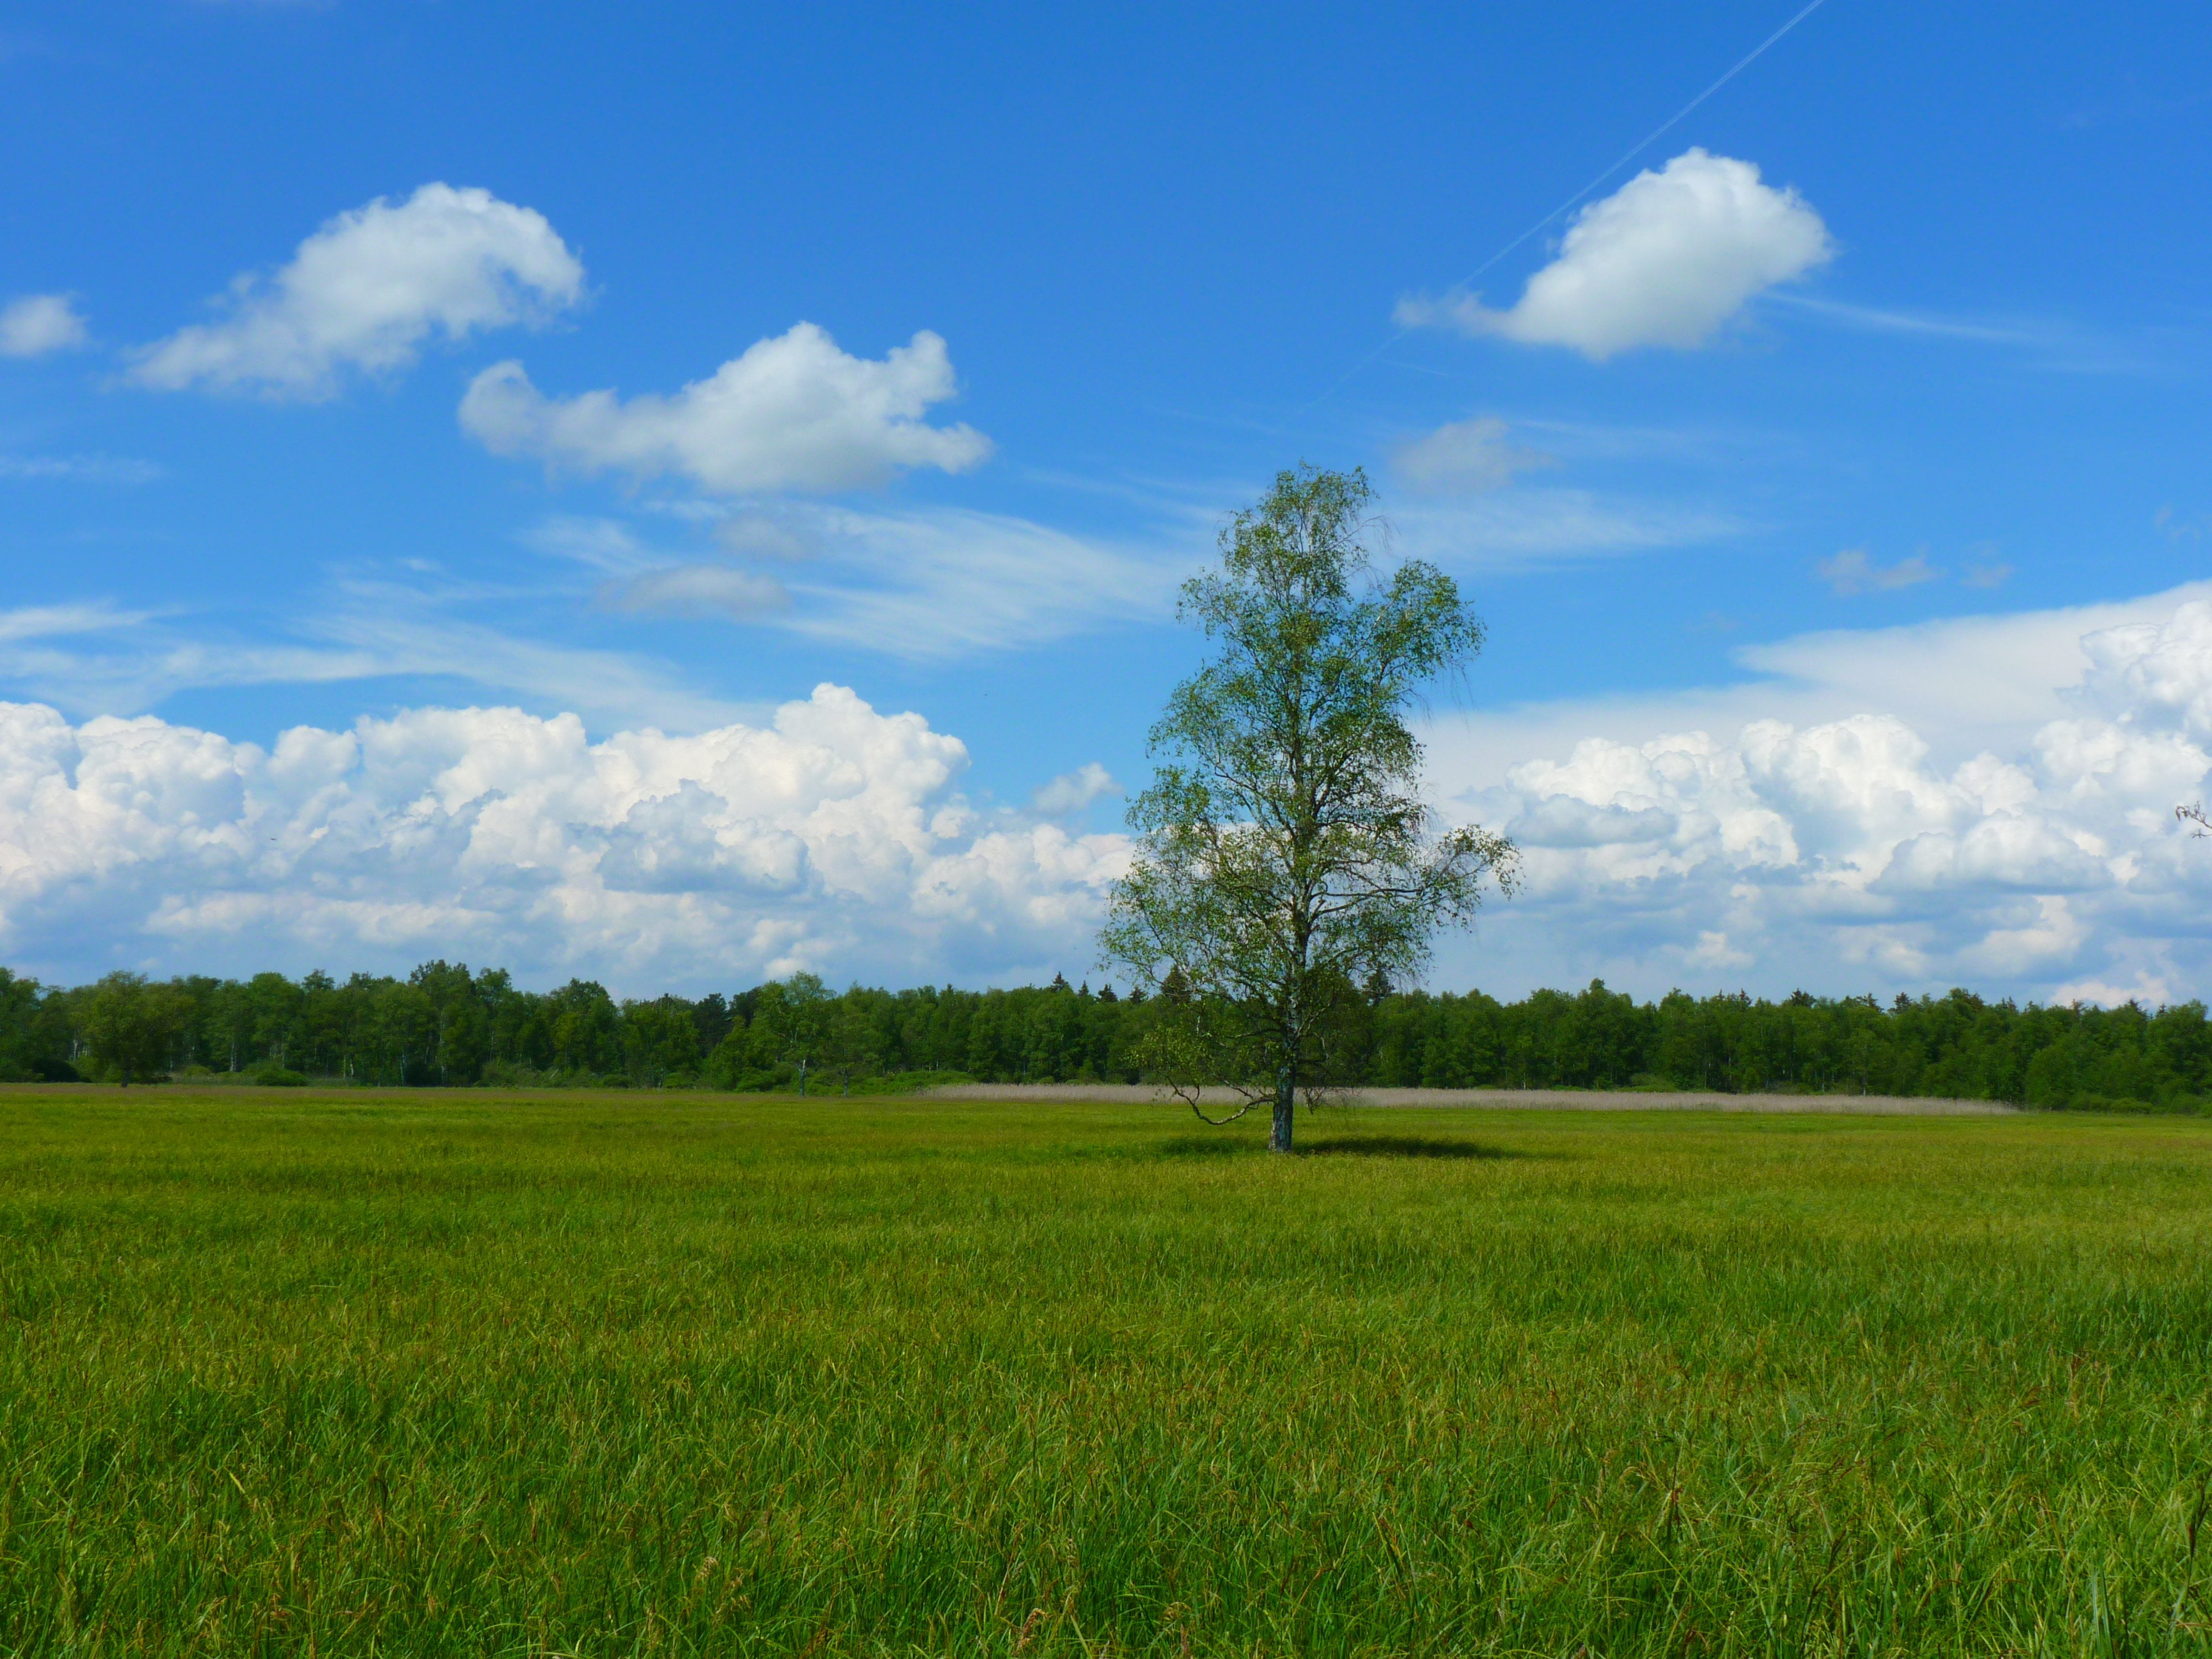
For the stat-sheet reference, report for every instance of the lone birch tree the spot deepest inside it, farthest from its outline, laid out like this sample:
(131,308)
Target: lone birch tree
(1285,854)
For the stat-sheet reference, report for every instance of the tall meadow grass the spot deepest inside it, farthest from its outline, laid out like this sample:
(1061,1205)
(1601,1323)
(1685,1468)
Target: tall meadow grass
(425,1374)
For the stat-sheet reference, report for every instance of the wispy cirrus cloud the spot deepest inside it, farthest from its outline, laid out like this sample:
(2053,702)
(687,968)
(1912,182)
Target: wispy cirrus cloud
(2050,343)
(1882,319)
(406,630)
(942,583)
(80,469)
(41,622)
(939,584)
(1854,571)
(99,658)
(1465,456)
(698,590)
(925,583)
(1529,528)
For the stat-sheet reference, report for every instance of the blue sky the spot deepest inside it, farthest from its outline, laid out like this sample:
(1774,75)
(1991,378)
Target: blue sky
(1868,391)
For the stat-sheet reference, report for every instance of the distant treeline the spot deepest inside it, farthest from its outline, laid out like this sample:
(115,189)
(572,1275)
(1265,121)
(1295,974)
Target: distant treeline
(445,1025)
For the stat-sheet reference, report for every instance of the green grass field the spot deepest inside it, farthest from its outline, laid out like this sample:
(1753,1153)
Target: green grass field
(434,1373)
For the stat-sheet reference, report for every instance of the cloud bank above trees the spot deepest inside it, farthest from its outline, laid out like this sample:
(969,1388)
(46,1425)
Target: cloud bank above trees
(830,837)
(1988,802)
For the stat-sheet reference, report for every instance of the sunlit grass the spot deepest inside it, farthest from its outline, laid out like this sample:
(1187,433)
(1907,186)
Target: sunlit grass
(455,1375)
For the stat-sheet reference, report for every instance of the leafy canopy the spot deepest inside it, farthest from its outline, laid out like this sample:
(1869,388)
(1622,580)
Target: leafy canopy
(1286,855)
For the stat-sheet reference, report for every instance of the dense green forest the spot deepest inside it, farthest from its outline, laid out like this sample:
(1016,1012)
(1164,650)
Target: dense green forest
(444,1024)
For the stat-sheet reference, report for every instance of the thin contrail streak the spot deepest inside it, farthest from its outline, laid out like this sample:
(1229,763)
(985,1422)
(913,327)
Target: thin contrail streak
(1627,156)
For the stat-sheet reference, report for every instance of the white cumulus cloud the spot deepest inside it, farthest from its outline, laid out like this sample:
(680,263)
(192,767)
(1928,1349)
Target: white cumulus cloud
(1872,850)
(829,836)
(1664,261)
(793,412)
(367,291)
(37,323)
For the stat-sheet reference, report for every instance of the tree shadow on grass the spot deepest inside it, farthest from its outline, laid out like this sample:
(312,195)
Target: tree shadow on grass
(1221,1145)
(1232,1145)
(1401,1146)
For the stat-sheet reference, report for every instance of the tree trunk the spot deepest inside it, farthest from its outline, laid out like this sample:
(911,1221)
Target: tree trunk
(1278,1138)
